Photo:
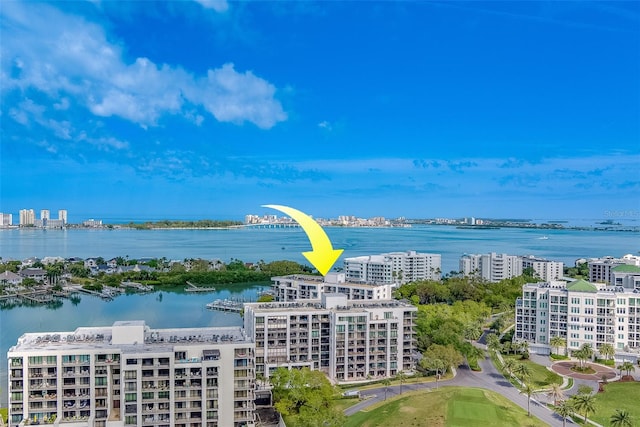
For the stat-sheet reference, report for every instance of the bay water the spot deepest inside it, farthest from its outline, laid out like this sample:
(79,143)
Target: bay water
(251,245)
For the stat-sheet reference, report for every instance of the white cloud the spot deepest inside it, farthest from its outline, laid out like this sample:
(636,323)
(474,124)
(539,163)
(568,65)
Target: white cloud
(65,56)
(325,125)
(217,5)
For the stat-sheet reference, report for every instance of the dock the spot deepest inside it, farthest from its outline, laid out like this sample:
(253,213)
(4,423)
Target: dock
(137,286)
(226,305)
(193,288)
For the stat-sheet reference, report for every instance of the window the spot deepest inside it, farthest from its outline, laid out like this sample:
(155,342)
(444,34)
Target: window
(132,361)
(259,320)
(339,328)
(51,360)
(130,397)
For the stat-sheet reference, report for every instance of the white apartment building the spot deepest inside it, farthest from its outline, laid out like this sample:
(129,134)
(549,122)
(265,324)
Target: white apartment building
(347,340)
(600,268)
(393,267)
(45,214)
(625,276)
(581,312)
(27,217)
(62,215)
(6,219)
(130,375)
(297,287)
(492,267)
(545,269)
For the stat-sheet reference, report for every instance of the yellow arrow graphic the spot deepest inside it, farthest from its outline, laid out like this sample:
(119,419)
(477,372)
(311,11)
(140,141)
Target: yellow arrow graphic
(323,256)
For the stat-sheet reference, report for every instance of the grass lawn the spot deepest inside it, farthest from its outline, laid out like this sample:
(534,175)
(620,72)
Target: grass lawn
(617,396)
(541,377)
(448,406)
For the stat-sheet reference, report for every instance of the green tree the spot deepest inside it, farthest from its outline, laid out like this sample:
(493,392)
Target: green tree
(307,394)
(509,366)
(584,353)
(565,409)
(607,351)
(529,391)
(556,393)
(558,342)
(522,371)
(585,403)
(621,418)
(627,367)
(386,383)
(434,364)
(493,342)
(402,377)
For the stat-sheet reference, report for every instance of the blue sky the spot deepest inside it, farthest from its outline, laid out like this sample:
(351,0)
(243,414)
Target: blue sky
(209,109)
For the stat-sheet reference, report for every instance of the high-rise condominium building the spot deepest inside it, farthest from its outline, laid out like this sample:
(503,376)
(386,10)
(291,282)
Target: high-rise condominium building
(130,375)
(347,340)
(393,267)
(581,313)
(545,269)
(296,287)
(492,267)
(62,215)
(27,217)
(45,214)
(6,219)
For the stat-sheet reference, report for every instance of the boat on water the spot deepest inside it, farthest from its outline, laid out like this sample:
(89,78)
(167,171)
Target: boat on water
(543,238)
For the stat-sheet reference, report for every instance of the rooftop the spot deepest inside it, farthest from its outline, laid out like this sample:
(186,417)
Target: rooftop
(100,337)
(626,268)
(582,286)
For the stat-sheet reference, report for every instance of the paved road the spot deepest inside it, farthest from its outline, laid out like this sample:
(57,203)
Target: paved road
(489,378)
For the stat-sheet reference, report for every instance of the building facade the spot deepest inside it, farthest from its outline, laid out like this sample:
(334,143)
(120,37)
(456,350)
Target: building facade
(492,267)
(6,219)
(393,267)
(27,217)
(131,375)
(545,269)
(580,312)
(297,287)
(600,268)
(347,340)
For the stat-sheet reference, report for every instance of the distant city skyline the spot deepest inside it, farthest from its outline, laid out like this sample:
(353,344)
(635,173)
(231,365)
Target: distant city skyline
(210,109)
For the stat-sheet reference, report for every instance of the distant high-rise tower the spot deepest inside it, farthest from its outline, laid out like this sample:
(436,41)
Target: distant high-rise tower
(6,219)
(62,215)
(27,217)
(45,214)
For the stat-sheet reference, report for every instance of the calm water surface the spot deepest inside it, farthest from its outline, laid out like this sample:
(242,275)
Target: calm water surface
(182,310)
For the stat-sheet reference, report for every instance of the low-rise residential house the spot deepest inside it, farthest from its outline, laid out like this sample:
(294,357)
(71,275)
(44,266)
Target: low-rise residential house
(8,277)
(135,268)
(48,260)
(91,263)
(113,263)
(37,274)
(29,261)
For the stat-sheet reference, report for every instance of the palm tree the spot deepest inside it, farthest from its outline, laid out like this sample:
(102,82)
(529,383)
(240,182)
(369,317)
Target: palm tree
(621,418)
(509,366)
(627,367)
(386,382)
(493,342)
(529,391)
(558,342)
(522,370)
(401,376)
(556,393)
(584,403)
(564,409)
(607,351)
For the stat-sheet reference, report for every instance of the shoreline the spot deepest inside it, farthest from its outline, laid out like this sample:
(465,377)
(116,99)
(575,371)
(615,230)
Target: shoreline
(497,226)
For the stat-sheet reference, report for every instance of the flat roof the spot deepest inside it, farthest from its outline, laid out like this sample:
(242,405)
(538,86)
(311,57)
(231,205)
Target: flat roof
(99,337)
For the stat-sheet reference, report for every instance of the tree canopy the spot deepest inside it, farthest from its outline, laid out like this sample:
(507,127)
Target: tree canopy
(307,396)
